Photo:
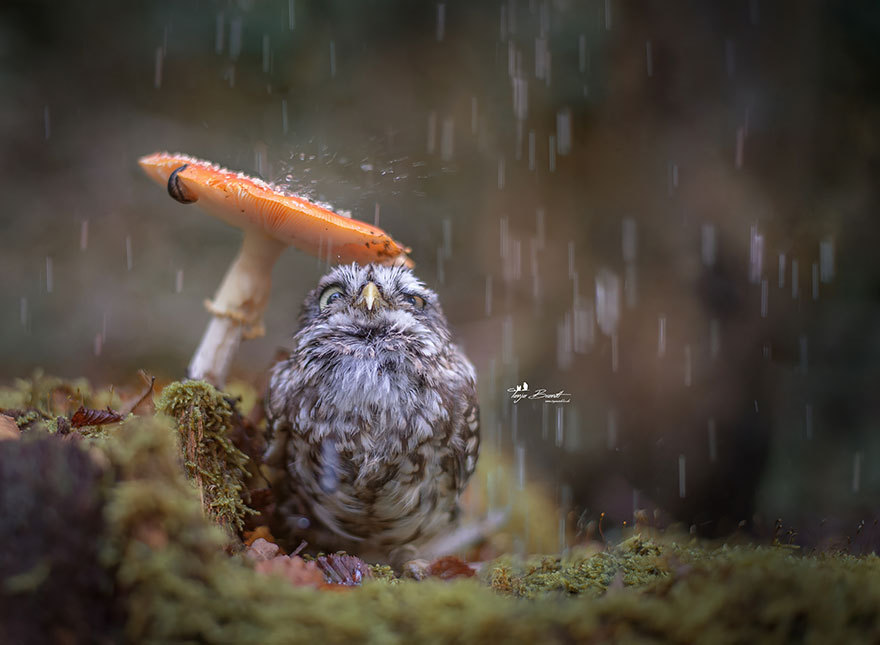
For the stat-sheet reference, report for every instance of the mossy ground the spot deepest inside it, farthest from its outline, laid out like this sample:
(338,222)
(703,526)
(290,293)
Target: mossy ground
(173,580)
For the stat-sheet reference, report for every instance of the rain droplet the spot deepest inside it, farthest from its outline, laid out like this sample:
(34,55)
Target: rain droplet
(520,452)
(84,235)
(178,282)
(157,73)
(615,354)
(730,57)
(629,240)
(765,296)
(707,244)
(815,280)
(552,150)
(607,15)
(447,237)
(50,278)
(794,279)
(531,149)
(447,139)
(332,59)
(756,254)
(661,337)
(560,435)
(781,270)
(501,173)
(488,295)
(563,131)
(682,489)
(441,21)
(291,15)
(98,344)
(520,98)
(432,132)
(582,53)
(23,312)
(612,429)
(607,300)
(649,59)
(826,260)
(267,53)
(857,472)
(475,121)
(128,257)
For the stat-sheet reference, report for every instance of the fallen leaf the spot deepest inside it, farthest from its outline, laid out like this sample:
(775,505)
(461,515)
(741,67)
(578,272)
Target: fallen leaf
(260,532)
(449,567)
(88,417)
(294,569)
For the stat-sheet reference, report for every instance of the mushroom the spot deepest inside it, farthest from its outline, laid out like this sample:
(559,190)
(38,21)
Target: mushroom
(271,219)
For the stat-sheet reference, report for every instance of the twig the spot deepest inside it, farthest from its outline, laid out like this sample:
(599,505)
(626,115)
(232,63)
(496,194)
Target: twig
(143,396)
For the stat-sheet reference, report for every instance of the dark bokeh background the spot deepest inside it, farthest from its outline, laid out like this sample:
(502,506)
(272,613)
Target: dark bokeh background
(603,192)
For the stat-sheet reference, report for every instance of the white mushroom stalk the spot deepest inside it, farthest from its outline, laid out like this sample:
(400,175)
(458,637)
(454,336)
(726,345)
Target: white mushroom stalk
(271,219)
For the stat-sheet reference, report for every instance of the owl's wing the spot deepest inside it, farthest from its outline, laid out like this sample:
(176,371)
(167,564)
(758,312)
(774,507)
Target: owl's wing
(465,443)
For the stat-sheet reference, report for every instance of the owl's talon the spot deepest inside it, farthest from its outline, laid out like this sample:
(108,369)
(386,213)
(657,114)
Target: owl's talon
(416,569)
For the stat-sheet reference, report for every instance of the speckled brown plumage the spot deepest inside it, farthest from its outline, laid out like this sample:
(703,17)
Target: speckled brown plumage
(374,419)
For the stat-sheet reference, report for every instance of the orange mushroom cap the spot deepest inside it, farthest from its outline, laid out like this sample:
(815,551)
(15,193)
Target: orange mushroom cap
(247,202)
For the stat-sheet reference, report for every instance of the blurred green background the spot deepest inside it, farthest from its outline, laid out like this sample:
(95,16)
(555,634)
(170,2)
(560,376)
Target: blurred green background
(666,209)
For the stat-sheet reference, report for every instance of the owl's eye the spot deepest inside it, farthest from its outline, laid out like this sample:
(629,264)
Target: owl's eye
(329,295)
(416,301)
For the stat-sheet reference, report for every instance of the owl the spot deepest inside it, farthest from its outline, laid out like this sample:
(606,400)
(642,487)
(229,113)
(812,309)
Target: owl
(373,419)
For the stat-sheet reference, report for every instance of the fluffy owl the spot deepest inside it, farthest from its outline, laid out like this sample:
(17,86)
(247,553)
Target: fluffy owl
(374,422)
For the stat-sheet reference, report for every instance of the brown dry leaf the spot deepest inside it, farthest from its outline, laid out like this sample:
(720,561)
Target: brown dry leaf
(449,567)
(260,532)
(296,570)
(8,428)
(88,417)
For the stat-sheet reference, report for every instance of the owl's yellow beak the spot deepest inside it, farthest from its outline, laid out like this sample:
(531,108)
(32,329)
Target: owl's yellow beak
(371,297)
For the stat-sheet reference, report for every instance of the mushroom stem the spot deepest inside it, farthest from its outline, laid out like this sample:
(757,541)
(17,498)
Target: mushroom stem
(238,307)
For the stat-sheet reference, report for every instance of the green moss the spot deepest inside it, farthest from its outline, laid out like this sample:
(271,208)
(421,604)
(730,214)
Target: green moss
(636,561)
(174,582)
(48,394)
(212,462)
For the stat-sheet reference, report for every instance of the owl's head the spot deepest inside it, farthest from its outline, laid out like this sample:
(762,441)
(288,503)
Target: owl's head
(361,310)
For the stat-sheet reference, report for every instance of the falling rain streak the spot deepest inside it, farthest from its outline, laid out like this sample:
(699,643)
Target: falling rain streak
(857,472)
(50,278)
(332,59)
(84,235)
(441,22)
(682,488)
(157,73)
